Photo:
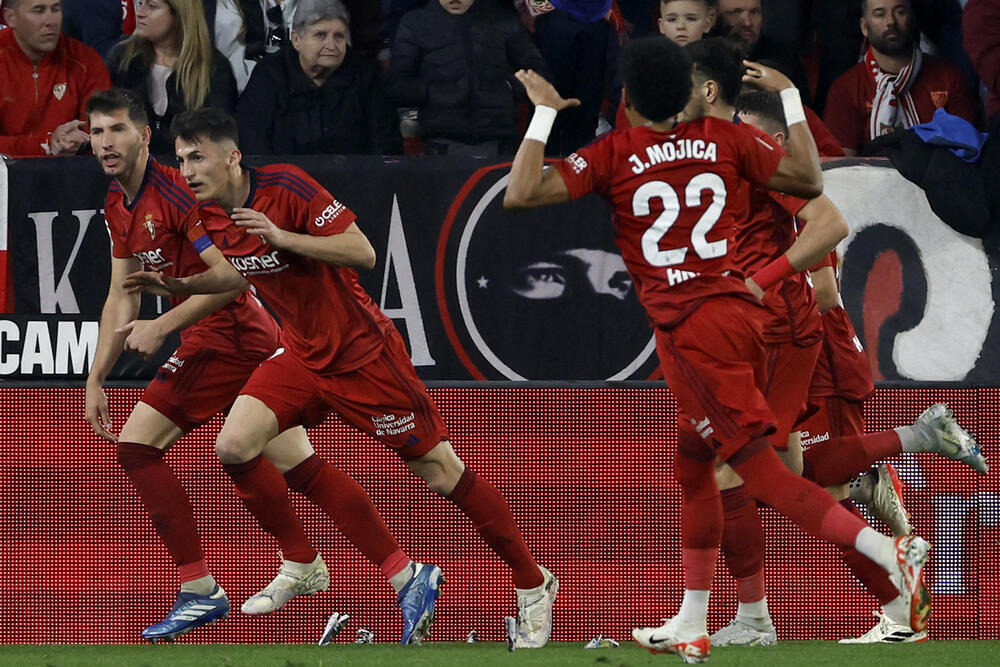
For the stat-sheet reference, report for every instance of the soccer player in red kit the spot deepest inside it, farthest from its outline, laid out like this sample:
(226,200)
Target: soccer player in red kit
(296,244)
(224,338)
(675,190)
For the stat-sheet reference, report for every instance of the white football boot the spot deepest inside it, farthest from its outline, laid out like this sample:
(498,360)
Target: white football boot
(951,440)
(887,631)
(672,638)
(887,501)
(741,633)
(534,612)
(293,579)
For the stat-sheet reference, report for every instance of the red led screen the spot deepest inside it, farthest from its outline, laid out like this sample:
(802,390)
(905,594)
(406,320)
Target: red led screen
(587,472)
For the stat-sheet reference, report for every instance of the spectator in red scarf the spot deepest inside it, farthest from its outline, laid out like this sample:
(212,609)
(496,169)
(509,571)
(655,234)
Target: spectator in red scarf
(896,85)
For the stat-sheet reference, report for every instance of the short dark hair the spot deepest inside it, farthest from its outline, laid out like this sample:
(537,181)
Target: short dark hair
(657,75)
(864,7)
(207,122)
(765,104)
(114,99)
(718,59)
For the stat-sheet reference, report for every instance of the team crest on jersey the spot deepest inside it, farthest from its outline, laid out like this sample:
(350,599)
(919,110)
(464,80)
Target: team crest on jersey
(150,226)
(59,90)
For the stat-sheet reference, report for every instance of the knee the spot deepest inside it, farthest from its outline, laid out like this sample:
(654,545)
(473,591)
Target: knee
(441,469)
(232,447)
(696,477)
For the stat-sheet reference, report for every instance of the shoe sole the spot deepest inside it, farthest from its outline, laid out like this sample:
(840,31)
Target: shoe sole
(423,627)
(685,657)
(168,639)
(897,486)
(920,597)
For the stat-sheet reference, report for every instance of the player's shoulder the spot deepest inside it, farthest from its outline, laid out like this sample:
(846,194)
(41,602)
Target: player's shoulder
(289,178)
(170,187)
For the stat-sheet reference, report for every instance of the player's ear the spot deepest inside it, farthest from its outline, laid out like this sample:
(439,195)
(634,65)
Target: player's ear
(711,91)
(147,134)
(710,20)
(235,157)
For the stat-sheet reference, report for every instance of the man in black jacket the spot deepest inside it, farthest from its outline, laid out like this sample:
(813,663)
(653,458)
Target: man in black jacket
(454,61)
(318,97)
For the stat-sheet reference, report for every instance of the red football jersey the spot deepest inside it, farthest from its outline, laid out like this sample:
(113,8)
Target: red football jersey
(153,230)
(765,234)
(842,368)
(676,197)
(328,320)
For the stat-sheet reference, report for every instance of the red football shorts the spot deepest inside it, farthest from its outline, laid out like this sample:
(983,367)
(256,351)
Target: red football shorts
(789,374)
(713,363)
(836,418)
(383,398)
(196,383)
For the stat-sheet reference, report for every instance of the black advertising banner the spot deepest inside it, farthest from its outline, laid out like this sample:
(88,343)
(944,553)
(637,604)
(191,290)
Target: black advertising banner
(480,293)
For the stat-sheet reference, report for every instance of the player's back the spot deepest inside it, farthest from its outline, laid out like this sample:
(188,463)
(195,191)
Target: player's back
(676,197)
(153,229)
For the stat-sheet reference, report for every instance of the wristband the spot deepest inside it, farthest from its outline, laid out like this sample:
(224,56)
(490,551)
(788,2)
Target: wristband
(792,103)
(541,124)
(774,273)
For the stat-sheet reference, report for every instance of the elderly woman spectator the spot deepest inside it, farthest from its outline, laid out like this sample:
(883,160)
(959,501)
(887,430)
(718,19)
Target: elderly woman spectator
(319,96)
(170,63)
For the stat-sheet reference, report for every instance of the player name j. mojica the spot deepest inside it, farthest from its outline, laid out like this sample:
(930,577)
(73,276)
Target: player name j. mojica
(669,151)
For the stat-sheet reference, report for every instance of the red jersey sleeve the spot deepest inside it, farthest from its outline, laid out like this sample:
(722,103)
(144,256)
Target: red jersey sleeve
(195,230)
(759,159)
(791,204)
(587,170)
(115,229)
(321,214)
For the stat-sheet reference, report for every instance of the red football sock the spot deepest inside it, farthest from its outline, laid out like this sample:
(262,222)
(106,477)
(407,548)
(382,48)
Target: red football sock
(167,504)
(873,577)
(489,512)
(701,512)
(348,504)
(839,459)
(262,489)
(812,508)
(743,543)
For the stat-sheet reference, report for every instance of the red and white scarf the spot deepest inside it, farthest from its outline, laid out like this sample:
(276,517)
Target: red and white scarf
(893,106)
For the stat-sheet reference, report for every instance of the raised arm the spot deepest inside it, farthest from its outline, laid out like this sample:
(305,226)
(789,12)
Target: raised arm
(799,173)
(531,183)
(119,308)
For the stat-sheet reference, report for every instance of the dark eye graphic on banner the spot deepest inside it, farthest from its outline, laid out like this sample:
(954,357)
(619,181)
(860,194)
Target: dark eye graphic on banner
(538,295)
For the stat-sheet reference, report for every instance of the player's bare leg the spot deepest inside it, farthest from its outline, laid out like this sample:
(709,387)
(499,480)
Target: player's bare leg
(446,474)
(143,440)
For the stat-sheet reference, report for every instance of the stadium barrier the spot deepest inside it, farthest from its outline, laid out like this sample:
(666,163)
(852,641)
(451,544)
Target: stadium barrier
(482,294)
(588,476)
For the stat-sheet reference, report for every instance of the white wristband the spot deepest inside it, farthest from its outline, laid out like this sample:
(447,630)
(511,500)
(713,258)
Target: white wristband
(541,123)
(792,103)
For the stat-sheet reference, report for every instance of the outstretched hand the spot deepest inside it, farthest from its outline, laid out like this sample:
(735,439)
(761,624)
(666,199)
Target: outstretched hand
(152,282)
(766,77)
(543,93)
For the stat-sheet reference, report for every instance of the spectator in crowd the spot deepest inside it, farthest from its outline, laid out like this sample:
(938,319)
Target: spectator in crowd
(170,63)
(237,31)
(574,37)
(981,34)
(685,21)
(742,20)
(98,23)
(454,61)
(319,96)
(896,85)
(46,78)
